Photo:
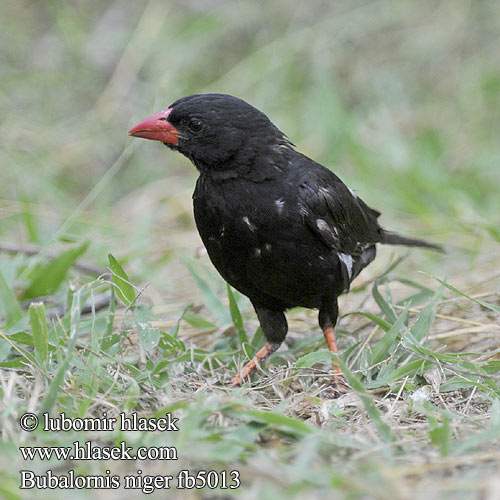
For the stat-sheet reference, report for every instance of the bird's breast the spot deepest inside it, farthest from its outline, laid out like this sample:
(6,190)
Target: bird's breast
(259,243)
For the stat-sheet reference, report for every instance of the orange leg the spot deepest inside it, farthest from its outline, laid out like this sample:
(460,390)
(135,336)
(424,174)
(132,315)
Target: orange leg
(248,369)
(338,377)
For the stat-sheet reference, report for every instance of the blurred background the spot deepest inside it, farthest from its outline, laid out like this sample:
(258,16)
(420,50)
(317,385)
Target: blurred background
(400,99)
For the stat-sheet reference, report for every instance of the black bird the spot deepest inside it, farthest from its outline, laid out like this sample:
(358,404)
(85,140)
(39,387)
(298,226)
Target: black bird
(279,227)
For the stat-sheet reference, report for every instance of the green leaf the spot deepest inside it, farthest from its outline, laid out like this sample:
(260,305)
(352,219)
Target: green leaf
(49,276)
(409,369)
(132,394)
(378,321)
(198,321)
(423,295)
(461,382)
(440,433)
(236,316)
(219,310)
(385,307)
(421,328)
(29,221)
(282,422)
(124,289)
(463,294)
(258,339)
(314,357)
(148,335)
(38,323)
(11,309)
(50,397)
(382,347)
(493,230)
(15,363)
(26,339)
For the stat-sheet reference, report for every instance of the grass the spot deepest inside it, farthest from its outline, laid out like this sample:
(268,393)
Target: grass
(107,303)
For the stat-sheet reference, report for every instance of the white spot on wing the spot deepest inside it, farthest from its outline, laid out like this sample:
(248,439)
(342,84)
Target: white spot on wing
(348,261)
(322,225)
(280,204)
(257,252)
(246,220)
(267,247)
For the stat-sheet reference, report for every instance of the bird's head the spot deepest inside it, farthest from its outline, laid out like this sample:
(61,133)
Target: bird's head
(212,130)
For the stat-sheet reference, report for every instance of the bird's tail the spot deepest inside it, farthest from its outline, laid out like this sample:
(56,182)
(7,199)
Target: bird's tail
(395,239)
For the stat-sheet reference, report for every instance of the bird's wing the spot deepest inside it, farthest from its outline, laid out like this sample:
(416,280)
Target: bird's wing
(335,215)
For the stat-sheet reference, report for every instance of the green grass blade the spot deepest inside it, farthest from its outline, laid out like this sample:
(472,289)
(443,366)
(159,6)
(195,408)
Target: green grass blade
(10,306)
(111,316)
(409,369)
(29,220)
(314,357)
(39,329)
(50,397)
(198,321)
(49,277)
(440,433)
(212,301)
(281,422)
(421,328)
(258,339)
(382,347)
(124,289)
(378,321)
(492,307)
(385,307)
(236,316)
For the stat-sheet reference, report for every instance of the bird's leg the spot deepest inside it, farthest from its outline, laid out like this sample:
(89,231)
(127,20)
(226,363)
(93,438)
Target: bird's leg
(329,334)
(328,314)
(275,327)
(248,369)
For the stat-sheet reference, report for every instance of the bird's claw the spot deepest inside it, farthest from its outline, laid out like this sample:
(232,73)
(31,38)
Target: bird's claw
(235,382)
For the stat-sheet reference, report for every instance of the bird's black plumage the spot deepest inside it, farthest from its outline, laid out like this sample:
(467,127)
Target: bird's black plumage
(279,227)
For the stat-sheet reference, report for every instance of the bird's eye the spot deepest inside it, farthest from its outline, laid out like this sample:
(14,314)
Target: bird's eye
(195,125)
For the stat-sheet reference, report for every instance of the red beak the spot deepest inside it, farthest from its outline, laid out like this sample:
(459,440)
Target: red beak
(156,128)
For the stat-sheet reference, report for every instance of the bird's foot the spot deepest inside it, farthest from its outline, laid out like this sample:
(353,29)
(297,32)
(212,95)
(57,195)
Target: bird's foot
(250,367)
(236,381)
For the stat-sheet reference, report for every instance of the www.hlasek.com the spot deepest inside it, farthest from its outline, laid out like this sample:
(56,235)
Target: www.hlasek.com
(89,450)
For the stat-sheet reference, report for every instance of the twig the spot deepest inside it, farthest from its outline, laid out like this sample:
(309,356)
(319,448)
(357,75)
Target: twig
(97,303)
(462,331)
(29,249)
